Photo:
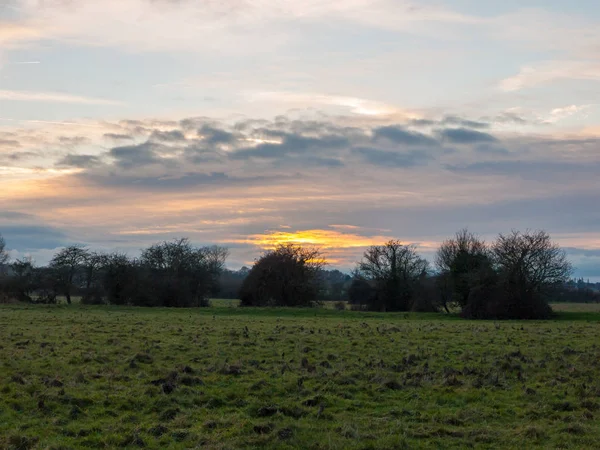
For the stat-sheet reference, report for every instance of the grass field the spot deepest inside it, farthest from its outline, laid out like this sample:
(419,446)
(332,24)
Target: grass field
(577,307)
(227,377)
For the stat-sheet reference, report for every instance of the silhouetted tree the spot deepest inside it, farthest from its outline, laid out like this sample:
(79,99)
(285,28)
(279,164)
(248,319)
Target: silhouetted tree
(119,278)
(66,264)
(530,266)
(285,276)
(361,293)
(396,270)
(3,254)
(22,282)
(92,288)
(177,274)
(461,262)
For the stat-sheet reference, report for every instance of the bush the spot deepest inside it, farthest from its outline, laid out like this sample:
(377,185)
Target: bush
(285,276)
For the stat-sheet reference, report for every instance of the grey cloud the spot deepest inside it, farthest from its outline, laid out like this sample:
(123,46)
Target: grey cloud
(399,135)
(133,156)
(199,154)
(167,136)
(385,158)
(465,136)
(81,161)
(118,137)
(76,140)
(449,120)
(454,120)
(291,144)
(508,117)
(15,215)
(542,170)
(9,143)
(422,122)
(27,237)
(179,181)
(214,136)
(20,156)
(194,123)
(491,149)
(250,124)
(310,161)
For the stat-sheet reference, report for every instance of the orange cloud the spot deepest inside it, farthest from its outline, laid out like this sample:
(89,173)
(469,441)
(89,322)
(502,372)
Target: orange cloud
(339,247)
(325,239)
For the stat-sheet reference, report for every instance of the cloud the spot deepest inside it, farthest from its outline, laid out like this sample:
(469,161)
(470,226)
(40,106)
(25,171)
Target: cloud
(550,71)
(14,32)
(338,247)
(118,137)
(291,144)
(385,158)
(19,156)
(177,182)
(539,170)
(231,179)
(9,143)
(81,161)
(167,136)
(24,236)
(54,97)
(558,114)
(398,135)
(308,100)
(134,156)
(458,121)
(232,25)
(213,136)
(465,136)
(491,149)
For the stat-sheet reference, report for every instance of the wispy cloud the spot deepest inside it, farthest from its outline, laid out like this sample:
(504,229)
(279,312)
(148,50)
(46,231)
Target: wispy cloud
(310,100)
(31,96)
(547,72)
(13,32)
(558,114)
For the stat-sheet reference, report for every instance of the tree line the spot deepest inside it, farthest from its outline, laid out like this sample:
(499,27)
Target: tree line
(170,274)
(515,276)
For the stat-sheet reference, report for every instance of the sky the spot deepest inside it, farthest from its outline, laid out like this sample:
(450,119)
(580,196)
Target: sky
(332,123)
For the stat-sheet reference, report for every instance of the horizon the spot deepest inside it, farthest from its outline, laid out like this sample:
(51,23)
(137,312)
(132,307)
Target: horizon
(337,124)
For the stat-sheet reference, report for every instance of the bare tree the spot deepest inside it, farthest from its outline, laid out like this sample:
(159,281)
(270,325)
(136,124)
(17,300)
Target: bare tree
(3,254)
(460,261)
(66,264)
(119,278)
(22,285)
(181,274)
(396,269)
(530,263)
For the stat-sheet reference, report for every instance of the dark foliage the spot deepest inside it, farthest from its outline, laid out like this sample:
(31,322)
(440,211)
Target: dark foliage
(515,278)
(289,275)
(167,274)
(396,272)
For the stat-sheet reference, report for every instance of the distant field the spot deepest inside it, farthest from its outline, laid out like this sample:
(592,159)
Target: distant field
(577,307)
(228,378)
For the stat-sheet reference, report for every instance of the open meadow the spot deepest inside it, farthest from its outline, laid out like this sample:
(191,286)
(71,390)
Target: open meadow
(227,377)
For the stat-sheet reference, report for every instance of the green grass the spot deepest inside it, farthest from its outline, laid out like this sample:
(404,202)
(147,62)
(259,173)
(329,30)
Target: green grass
(228,378)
